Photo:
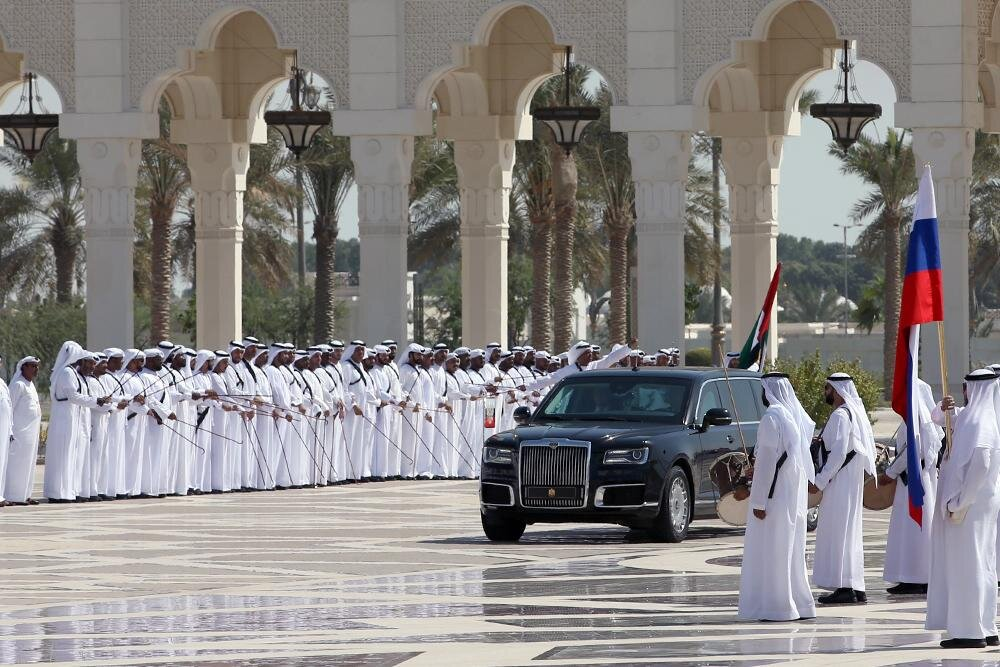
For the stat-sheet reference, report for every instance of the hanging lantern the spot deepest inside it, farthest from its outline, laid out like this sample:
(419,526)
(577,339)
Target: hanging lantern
(846,119)
(299,125)
(29,131)
(567,123)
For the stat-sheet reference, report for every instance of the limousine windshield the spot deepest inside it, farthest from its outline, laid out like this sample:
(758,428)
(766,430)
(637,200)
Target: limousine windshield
(657,399)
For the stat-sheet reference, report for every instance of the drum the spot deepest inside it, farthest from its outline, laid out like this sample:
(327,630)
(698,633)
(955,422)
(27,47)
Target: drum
(730,474)
(733,511)
(878,497)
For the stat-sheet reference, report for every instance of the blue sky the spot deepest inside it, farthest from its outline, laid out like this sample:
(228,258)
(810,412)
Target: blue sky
(813,195)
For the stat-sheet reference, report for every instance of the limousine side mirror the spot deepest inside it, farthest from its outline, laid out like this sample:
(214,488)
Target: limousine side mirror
(714,417)
(521,415)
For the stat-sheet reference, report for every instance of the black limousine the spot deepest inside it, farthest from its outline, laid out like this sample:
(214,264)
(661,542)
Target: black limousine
(620,446)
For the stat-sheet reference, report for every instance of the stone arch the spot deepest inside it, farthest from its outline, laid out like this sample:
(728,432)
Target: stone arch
(989,71)
(479,32)
(791,41)
(714,32)
(316,33)
(229,75)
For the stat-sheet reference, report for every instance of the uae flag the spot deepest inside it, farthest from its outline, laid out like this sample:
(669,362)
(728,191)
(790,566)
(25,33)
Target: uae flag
(753,349)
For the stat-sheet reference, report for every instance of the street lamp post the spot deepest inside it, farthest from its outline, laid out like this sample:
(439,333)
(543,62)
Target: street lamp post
(847,257)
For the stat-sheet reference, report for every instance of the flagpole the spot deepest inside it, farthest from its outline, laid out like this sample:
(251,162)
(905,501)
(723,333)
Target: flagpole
(944,387)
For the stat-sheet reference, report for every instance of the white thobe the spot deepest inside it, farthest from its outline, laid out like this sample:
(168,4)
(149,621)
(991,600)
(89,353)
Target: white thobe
(134,445)
(359,393)
(62,445)
(92,472)
(839,561)
(908,545)
(316,406)
(410,381)
(335,444)
(962,591)
(112,478)
(25,429)
(774,585)
(158,437)
(6,424)
(223,448)
(279,426)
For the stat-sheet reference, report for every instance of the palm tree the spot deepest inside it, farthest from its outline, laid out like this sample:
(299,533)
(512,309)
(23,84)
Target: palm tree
(329,174)
(53,181)
(888,166)
(532,200)
(163,182)
(984,220)
(23,256)
(605,157)
(565,183)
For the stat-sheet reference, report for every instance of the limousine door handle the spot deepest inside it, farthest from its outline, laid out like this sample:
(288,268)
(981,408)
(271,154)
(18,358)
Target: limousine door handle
(729,438)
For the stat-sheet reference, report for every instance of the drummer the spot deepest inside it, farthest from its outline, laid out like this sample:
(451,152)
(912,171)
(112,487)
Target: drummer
(774,585)
(849,448)
(908,548)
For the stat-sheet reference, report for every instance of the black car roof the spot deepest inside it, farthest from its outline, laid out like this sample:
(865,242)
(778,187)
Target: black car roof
(686,373)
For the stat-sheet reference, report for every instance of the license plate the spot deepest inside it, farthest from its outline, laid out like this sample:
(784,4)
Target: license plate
(552,492)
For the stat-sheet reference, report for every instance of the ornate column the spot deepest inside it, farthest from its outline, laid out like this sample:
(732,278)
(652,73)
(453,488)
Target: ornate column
(218,179)
(752,167)
(484,180)
(108,172)
(659,169)
(382,173)
(949,152)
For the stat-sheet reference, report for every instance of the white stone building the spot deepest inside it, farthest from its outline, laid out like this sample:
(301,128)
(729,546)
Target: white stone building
(732,68)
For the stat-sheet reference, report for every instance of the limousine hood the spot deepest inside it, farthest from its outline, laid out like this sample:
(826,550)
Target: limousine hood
(596,432)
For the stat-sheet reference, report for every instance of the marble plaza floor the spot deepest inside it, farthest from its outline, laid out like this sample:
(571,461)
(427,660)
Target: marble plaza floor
(400,574)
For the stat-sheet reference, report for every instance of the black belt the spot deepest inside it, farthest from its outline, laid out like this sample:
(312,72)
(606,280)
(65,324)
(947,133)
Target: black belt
(777,469)
(201,418)
(129,418)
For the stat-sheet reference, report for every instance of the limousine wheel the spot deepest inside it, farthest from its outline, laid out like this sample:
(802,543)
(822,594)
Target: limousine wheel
(502,528)
(674,519)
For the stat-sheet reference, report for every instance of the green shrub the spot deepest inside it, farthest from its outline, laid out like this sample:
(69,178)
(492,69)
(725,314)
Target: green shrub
(808,377)
(699,356)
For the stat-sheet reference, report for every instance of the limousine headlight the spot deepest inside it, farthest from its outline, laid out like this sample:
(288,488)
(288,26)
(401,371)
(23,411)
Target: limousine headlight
(498,455)
(636,456)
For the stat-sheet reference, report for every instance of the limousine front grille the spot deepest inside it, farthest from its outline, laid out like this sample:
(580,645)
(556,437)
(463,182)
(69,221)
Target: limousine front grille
(554,474)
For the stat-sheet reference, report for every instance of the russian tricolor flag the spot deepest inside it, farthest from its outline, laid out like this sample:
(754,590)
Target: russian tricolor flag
(923,302)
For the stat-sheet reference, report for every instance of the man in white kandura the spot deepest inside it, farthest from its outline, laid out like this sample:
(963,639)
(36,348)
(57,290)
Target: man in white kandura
(962,591)
(908,546)
(774,585)
(27,418)
(6,423)
(849,451)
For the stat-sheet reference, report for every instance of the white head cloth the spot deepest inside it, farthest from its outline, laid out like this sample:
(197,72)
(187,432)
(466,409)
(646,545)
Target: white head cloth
(574,352)
(203,356)
(779,392)
(975,426)
(17,371)
(69,353)
(114,352)
(861,429)
(351,347)
(477,353)
(131,355)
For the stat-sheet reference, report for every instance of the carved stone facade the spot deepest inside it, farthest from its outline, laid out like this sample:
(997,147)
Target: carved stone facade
(882,28)
(160,29)
(43,31)
(987,9)
(595,28)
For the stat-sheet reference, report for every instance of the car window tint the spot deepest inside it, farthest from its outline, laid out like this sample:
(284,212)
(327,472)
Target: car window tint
(746,403)
(709,399)
(623,398)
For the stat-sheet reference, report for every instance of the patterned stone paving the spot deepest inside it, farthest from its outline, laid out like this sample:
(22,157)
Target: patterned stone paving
(399,573)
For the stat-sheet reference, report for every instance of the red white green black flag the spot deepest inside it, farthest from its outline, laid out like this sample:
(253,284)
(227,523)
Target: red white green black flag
(753,349)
